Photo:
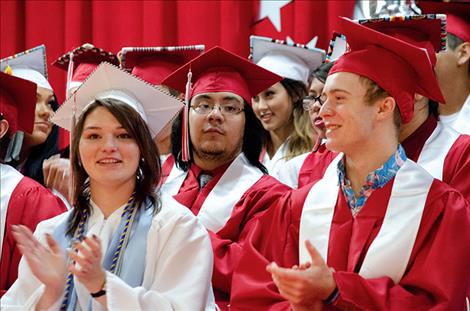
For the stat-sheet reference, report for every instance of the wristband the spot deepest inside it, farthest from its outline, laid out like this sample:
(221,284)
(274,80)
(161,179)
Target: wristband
(101,292)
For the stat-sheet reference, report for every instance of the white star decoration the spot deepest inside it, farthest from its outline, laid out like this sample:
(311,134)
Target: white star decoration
(272,10)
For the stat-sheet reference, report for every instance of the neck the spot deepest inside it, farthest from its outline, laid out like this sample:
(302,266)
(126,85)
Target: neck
(25,150)
(278,137)
(455,96)
(419,117)
(110,198)
(211,164)
(369,158)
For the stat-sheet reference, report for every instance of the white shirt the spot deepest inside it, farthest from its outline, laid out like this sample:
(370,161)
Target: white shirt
(177,274)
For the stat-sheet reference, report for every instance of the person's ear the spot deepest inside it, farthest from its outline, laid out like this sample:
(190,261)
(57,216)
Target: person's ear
(463,53)
(386,108)
(4,127)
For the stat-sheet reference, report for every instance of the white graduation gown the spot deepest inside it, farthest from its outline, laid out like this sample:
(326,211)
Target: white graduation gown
(177,273)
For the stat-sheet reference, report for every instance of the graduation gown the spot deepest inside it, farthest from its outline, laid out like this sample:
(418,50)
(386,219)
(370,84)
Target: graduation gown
(178,265)
(443,152)
(460,122)
(22,201)
(226,206)
(306,168)
(373,269)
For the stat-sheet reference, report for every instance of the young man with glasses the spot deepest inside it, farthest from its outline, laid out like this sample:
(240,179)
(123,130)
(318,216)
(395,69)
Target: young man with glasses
(216,144)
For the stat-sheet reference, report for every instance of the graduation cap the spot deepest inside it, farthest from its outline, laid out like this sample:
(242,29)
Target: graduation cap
(337,47)
(398,67)
(156,107)
(218,70)
(458,16)
(81,62)
(29,65)
(17,95)
(289,60)
(426,31)
(153,64)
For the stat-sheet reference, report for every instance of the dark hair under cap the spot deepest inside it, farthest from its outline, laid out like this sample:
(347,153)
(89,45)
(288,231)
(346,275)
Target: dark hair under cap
(322,72)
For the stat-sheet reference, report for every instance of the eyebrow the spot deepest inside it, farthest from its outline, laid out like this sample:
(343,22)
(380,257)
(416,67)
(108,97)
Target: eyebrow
(93,127)
(334,91)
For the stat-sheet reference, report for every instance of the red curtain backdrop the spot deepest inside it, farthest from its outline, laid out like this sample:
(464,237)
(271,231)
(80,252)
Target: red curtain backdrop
(111,25)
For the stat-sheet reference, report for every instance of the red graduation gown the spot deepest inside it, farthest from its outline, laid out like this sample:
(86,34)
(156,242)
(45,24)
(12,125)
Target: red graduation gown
(30,203)
(436,275)
(227,242)
(456,167)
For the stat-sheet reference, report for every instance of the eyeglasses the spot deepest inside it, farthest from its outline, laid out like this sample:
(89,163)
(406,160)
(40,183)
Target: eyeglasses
(309,101)
(225,109)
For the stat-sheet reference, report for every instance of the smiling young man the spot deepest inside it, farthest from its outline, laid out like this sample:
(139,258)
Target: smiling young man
(218,175)
(377,231)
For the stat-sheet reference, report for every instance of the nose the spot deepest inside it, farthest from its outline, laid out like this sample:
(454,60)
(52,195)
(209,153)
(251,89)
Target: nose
(215,114)
(325,110)
(43,111)
(109,144)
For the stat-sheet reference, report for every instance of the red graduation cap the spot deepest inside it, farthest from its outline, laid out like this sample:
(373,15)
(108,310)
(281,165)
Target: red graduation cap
(395,65)
(17,94)
(85,59)
(153,64)
(426,31)
(218,70)
(458,15)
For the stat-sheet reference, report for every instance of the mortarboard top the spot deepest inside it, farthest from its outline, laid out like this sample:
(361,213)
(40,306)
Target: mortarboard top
(156,107)
(16,95)
(427,31)
(30,65)
(85,59)
(293,61)
(458,16)
(153,64)
(395,65)
(337,47)
(218,70)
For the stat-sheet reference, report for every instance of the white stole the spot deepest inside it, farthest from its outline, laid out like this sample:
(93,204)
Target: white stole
(389,253)
(275,163)
(8,182)
(436,148)
(217,208)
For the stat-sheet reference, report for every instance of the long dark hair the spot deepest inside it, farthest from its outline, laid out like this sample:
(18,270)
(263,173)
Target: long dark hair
(149,165)
(253,140)
(33,165)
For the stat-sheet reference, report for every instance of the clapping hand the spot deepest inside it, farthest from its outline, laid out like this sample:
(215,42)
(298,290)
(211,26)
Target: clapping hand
(307,285)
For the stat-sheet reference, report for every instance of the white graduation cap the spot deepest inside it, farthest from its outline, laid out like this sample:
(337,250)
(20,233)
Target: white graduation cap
(29,65)
(289,60)
(154,105)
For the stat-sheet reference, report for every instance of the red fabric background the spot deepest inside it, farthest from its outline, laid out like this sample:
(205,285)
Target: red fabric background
(111,25)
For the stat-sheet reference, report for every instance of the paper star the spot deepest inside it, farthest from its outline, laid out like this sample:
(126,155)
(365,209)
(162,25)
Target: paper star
(272,10)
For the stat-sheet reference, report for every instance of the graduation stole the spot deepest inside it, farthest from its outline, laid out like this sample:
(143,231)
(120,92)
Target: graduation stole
(217,208)
(389,253)
(10,179)
(436,148)
(126,252)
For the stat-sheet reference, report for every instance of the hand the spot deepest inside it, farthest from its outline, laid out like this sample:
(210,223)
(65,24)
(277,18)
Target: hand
(48,264)
(307,284)
(57,175)
(86,264)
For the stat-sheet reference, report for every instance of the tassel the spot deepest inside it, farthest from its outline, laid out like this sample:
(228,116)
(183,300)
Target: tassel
(185,154)
(69,76)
